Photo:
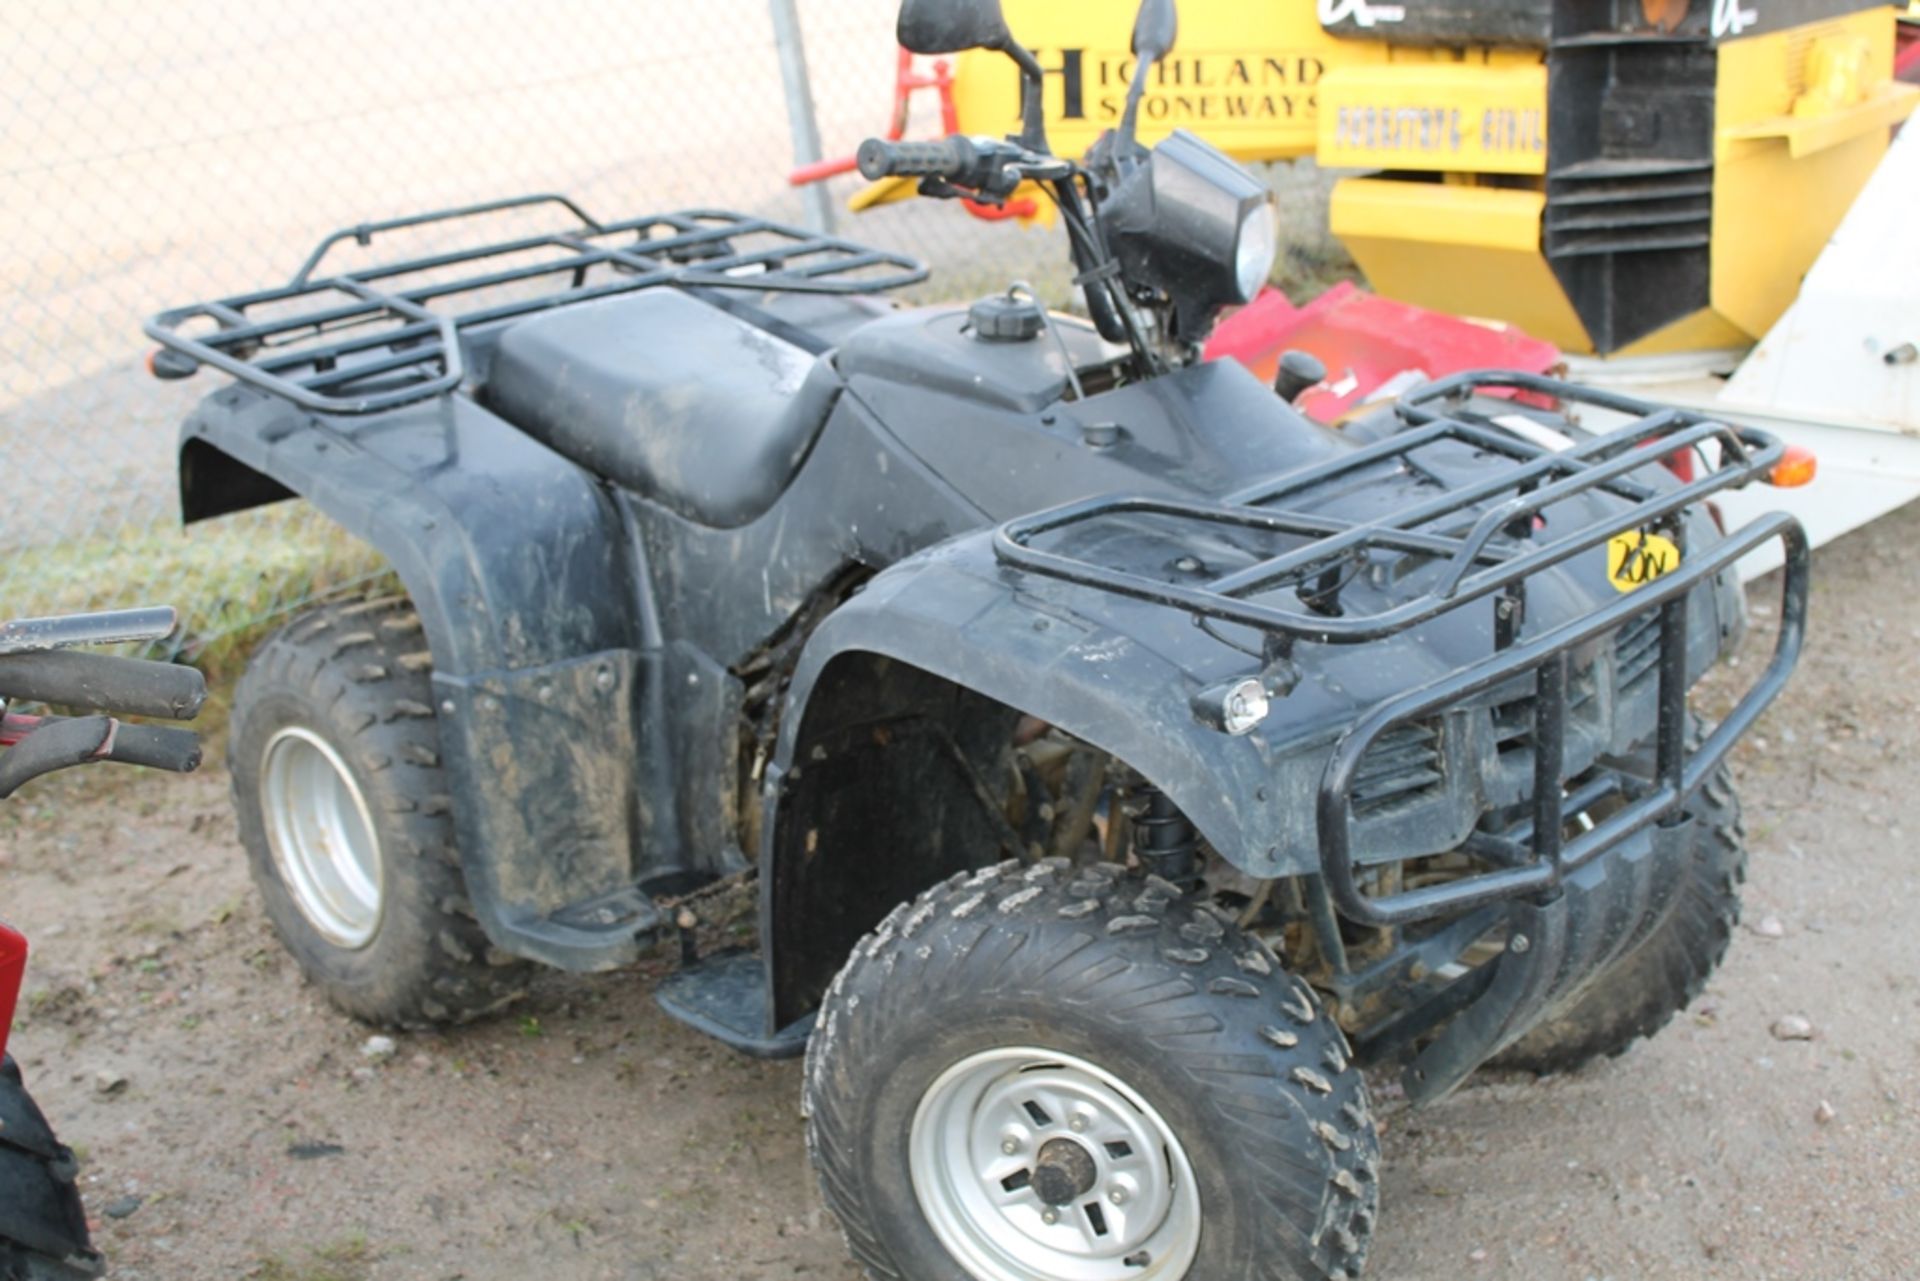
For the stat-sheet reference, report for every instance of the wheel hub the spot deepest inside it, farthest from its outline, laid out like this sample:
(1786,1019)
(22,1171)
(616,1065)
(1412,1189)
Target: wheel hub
(1037,1166)
(322,836)
(1064,1173)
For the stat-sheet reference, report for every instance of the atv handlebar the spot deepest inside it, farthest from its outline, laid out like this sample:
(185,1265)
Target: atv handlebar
(951,158)
(43,744)
(979,168)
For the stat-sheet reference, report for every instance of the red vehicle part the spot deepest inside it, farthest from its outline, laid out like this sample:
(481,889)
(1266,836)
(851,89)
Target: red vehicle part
(15,726)
(13,969)
(1906,50)
(1373,347)
(907,80)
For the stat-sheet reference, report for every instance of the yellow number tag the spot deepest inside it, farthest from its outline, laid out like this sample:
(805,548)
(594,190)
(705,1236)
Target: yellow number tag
(1635,559)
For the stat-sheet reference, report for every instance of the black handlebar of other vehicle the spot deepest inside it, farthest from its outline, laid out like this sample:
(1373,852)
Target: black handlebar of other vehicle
(951,158)
(57,743)
(36,666)
(104,683)
(156,747)
(53,745)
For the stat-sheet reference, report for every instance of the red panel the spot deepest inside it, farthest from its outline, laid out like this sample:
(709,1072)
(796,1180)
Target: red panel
(13,968)
(1368,342)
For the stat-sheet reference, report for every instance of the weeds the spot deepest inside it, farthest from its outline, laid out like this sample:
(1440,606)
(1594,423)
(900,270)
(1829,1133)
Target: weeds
(348,1259)
(229,578)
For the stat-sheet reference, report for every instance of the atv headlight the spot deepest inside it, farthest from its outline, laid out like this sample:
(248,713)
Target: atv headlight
(1195,225)
(1253,260)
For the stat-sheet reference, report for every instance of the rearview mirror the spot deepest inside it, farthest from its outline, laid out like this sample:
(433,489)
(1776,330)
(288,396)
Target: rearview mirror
(951,26)
(1154,30)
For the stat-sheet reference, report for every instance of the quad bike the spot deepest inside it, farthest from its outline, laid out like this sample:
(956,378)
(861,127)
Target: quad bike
(1123,759)
(43,1230)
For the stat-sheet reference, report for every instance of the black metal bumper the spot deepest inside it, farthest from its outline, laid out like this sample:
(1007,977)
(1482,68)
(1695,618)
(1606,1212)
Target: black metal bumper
(1536,864)
(1554,946)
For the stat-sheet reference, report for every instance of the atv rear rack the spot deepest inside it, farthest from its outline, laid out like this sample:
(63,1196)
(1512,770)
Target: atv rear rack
(1459,528)
(406,340)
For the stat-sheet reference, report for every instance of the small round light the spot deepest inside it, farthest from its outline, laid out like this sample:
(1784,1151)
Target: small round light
(1244,707)
(1253,254)
(1234,707)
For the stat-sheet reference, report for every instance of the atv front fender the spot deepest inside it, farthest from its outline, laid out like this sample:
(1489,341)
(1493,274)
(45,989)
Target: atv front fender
(1112,671)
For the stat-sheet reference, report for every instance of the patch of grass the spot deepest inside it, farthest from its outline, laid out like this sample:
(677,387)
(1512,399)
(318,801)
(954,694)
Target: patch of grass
(229,578)
(348,1259)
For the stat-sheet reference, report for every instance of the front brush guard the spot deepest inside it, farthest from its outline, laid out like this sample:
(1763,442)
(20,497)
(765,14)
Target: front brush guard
(1535,866)
(1569,912)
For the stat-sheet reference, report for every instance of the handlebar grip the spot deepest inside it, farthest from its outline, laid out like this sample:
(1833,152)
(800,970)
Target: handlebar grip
(104,683)
(53,745)
(157,747)
(948,158)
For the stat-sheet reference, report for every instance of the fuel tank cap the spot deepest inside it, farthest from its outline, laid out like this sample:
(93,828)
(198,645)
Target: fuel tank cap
(1008,317)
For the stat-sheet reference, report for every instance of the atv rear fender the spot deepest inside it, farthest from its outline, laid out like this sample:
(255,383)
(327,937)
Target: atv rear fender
(541,631)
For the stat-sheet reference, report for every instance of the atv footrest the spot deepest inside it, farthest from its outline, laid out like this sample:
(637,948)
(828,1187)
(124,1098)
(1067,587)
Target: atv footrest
(725,996)
(626,911)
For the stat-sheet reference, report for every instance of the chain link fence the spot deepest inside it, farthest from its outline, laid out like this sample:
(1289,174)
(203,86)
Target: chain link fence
(152,157)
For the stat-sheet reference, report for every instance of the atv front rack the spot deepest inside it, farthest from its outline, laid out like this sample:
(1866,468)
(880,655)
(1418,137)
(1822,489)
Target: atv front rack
(1459,530)
(1459,526)
(405,340)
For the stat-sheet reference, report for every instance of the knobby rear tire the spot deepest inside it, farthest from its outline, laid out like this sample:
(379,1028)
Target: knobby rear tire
(358,675)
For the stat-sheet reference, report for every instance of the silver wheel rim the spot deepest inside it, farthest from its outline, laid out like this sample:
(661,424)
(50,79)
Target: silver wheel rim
(321,833)
(986,1141)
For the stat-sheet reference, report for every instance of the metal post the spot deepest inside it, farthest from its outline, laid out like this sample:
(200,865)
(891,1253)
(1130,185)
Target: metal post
(800,118)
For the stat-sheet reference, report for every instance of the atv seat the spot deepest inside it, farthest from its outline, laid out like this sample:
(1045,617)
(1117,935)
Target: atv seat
(668,396)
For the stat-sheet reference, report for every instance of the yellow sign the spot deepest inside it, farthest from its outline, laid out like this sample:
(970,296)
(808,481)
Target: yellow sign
(1444,116)
(1635,559)
(1244,77)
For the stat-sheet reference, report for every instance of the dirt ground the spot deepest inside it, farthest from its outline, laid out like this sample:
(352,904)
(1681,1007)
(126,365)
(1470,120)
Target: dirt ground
(236,1123)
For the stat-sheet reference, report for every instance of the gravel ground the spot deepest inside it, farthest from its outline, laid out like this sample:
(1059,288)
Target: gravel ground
(235,1123)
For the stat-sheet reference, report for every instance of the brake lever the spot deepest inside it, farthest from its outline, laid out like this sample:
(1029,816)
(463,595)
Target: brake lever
(1000,172)
(941,189)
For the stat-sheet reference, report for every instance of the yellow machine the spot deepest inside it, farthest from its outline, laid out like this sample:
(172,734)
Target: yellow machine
(1615,176)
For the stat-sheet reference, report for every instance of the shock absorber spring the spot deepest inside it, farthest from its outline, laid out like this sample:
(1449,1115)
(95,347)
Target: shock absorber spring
(1164,839)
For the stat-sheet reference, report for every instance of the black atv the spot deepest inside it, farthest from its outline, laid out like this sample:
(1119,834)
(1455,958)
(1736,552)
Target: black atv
(43,1229)
(1124,760)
